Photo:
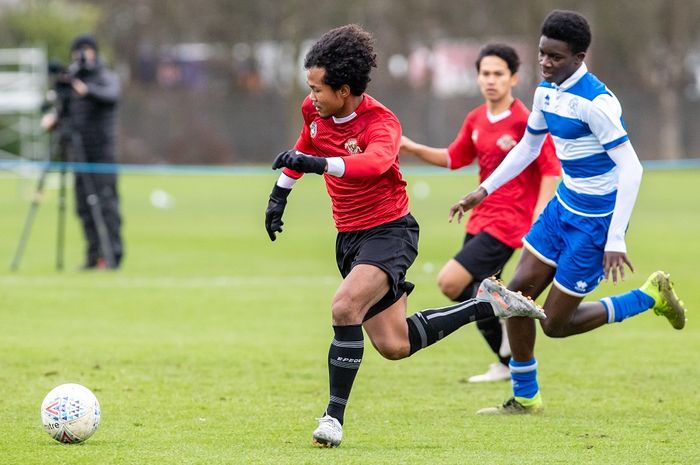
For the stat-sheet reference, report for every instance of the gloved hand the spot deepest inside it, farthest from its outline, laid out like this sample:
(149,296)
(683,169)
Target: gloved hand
(297,161)
(275,208)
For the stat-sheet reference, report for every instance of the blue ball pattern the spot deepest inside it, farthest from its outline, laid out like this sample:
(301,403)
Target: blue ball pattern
(67,409)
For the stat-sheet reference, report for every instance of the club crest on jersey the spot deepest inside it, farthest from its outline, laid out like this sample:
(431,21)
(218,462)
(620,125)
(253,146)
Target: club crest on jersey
(573,107)
(475,135)
(312,128)
(352,147)
(506,142)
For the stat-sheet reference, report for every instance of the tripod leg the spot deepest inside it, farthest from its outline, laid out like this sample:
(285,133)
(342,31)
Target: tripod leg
(61,229)
(36,201)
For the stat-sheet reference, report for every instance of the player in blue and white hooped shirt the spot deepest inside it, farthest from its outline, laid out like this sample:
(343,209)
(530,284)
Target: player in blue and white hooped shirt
(579,239)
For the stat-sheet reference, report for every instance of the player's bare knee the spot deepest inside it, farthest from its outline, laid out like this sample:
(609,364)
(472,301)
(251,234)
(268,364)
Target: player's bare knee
(449,287)
(345,311)
(343,316)
(553,328)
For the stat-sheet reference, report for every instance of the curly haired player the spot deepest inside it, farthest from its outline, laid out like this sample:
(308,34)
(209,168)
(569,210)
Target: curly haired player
(353,141)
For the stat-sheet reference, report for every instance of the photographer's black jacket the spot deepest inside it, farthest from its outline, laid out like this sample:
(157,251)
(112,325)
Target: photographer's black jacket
(94,116)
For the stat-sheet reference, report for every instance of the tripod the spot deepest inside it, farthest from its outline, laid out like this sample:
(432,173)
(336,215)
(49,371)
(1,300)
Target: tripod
(68,142)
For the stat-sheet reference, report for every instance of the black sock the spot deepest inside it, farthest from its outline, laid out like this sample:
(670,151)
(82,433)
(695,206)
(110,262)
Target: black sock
(492,330)
(429,326)
(468,292)
(344,358)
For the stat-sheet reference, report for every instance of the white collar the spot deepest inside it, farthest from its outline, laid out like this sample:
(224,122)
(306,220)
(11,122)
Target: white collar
(573,79)
(499,117)
(344,119)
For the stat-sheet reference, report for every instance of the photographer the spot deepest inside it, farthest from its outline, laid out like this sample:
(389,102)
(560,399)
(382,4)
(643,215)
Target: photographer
(90,115)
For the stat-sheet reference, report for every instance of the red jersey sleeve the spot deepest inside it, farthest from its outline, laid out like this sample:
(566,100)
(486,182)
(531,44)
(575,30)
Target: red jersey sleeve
(383,139)
(461,151)
(547,161)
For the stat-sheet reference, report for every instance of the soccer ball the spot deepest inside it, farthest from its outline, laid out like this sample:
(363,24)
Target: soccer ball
(70,413)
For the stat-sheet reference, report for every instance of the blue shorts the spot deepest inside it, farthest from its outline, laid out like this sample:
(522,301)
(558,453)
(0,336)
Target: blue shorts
(572,243)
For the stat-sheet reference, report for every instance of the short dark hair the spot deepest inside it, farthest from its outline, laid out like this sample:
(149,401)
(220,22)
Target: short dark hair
(347,54)
(569,27)
(502,51)
(84,40)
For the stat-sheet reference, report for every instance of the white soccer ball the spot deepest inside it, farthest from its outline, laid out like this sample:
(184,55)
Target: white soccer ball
(161,199)
(70,413)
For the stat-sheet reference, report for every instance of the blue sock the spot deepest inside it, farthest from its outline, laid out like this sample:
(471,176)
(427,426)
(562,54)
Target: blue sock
(524,378)
(626,305)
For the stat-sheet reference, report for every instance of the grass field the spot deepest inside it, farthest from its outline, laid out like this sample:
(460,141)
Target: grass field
(209,346)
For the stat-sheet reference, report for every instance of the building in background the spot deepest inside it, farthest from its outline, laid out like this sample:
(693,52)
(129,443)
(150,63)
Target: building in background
(23,81)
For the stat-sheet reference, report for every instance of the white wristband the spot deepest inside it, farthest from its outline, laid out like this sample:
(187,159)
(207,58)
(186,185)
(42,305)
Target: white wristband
(336,166)
(285,181)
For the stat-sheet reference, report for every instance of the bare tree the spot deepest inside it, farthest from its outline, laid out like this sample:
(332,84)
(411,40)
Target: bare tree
(639,46)
(649,42)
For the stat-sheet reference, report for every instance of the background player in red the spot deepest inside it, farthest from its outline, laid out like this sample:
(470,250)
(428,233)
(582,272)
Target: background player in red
(496,227)
(353,141)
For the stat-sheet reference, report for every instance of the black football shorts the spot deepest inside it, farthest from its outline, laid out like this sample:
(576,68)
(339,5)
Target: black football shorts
(392,246)
(482,255)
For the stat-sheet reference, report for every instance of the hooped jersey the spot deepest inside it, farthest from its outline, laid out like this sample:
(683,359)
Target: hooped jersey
(372,190)
(585,120)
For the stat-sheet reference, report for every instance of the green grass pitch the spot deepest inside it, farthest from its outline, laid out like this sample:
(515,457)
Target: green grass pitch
(210,345)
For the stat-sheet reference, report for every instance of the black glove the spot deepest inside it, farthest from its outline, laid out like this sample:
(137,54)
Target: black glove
(297,161)
(275,208)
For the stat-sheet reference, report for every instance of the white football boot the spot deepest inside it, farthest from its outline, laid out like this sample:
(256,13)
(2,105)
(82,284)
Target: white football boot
(506,303)
(329,432)
(496,372)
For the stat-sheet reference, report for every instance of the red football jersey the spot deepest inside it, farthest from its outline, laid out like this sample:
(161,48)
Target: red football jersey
(372,190)
(506,214)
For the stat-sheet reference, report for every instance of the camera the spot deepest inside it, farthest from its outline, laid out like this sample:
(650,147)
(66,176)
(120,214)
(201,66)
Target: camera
(61,78)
